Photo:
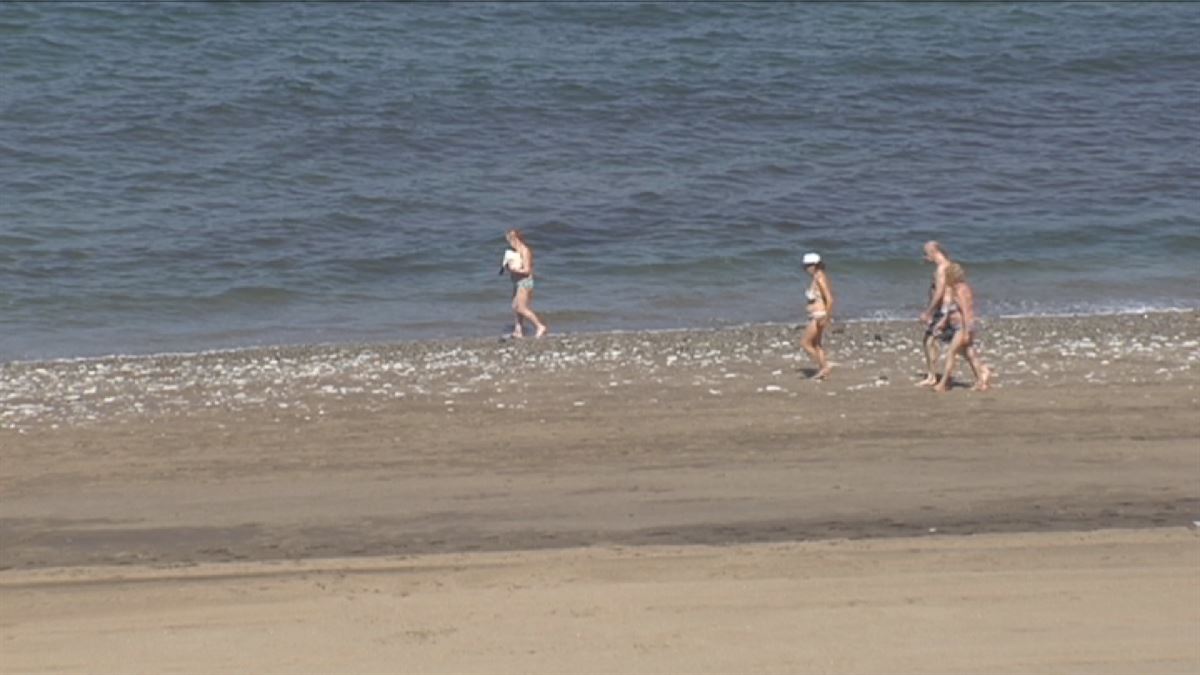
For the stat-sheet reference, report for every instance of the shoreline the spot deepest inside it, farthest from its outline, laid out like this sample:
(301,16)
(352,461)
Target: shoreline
(98,390)
(473,339)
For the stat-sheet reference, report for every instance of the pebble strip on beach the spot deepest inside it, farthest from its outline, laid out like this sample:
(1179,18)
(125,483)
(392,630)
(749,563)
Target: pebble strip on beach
(868,354)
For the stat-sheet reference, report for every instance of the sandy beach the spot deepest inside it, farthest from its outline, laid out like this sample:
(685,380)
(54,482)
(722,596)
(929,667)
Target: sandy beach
(680,501)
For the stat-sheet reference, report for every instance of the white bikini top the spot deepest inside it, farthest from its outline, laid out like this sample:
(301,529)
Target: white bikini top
(811,293)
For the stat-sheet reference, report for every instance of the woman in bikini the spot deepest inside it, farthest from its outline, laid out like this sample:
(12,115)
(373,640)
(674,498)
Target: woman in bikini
(960,322)
(521,272)
(819,299)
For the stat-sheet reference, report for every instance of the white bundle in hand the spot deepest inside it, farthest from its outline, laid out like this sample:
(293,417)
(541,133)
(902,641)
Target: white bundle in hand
(511,259)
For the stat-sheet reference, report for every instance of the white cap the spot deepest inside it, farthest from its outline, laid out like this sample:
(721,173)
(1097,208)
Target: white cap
(812,258)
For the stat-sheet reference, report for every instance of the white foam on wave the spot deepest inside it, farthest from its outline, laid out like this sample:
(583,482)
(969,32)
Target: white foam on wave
(1100,311)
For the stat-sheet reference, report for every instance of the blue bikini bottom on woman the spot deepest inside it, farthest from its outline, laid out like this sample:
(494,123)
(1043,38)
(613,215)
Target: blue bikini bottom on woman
(527,282)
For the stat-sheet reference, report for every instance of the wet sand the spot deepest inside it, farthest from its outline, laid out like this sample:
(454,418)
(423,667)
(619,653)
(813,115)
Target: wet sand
(649,448)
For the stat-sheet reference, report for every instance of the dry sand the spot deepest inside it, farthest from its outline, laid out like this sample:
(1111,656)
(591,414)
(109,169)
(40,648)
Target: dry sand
(642,502)
(1100,602)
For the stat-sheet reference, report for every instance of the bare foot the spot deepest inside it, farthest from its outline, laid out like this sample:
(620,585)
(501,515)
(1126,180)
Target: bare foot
(823,373)
(942,386)
(984,379)
(541,331)
(929,381)
(518,335)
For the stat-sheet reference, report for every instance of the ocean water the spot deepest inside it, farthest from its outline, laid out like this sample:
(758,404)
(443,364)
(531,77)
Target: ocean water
(186,176)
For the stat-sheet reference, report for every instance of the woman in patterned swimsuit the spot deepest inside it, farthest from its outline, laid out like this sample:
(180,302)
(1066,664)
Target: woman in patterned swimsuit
(960,316)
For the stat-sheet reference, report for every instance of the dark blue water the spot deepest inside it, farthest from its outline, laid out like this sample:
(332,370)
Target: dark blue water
(190,176)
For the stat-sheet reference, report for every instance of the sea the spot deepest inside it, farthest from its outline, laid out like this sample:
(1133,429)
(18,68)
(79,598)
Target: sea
(188,176)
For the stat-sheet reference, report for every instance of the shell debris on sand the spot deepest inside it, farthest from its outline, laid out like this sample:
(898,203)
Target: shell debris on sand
(72,392)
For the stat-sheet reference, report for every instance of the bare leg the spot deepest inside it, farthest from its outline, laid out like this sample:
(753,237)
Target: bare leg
(957,345)
(932,351)
(812,344)
(983,374)
(524,296)
(518,327)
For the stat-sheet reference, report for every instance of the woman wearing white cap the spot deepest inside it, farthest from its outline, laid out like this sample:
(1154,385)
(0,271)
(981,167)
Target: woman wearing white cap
(820,312)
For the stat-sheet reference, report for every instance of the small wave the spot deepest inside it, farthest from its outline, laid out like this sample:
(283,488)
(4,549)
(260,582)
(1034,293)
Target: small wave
(251,296)
(1111,64)
(14,240)
(361,270)
(1103,310)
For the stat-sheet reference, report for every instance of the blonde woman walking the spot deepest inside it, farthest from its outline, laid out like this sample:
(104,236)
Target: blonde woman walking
(520,270)
(961,322)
